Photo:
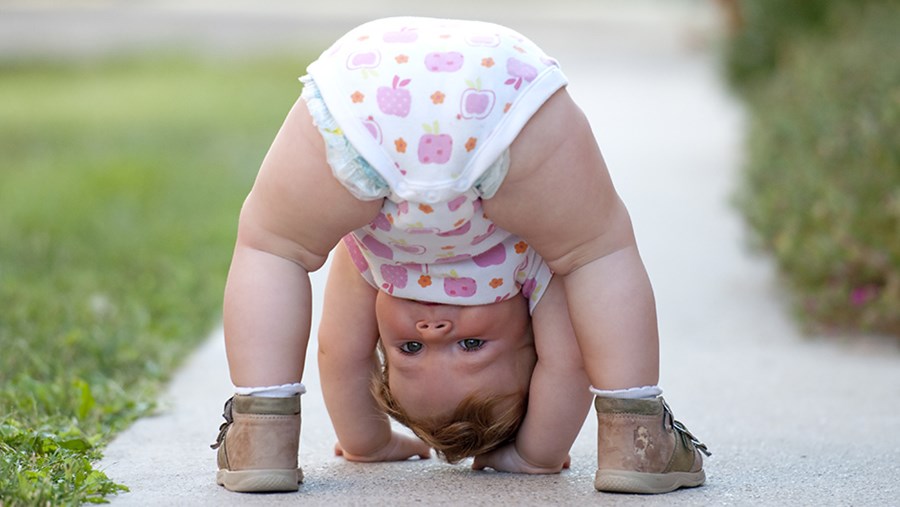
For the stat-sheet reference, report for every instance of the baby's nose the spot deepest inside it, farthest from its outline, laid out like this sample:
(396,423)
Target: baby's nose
(434,326)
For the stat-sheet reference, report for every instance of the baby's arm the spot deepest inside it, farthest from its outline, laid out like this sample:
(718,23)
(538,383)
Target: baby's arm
(296,212)
(558,399)
(559,197)
(348,334)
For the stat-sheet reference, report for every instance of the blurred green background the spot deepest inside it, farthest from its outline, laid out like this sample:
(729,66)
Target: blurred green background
(121,183)
(822,181)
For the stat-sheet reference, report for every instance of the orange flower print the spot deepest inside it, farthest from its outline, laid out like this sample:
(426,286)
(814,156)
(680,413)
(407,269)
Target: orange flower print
(517,48)
(424,281)
(400,145)
(470,144)
(357,97)
(459,223)
(506,107)
(437,98)
(521,246)
(496,282)
(487,62)
(424,208)
(401,58)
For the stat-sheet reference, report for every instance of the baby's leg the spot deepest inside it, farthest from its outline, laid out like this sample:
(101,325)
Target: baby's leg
(559,197)
(296,212)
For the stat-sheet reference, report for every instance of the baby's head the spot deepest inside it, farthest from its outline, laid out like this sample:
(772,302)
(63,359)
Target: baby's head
(458,376)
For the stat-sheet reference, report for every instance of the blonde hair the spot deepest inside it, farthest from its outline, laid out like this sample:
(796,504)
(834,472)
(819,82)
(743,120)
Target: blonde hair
(478,425)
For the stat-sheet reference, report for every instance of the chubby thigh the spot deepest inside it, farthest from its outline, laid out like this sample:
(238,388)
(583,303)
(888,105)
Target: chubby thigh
(558,194)
(297,209)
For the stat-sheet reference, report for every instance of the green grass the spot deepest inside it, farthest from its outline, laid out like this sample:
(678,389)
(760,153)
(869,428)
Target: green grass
(822,187)
(120,185)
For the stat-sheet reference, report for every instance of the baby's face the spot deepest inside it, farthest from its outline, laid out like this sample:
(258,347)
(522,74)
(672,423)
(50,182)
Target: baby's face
(439,354)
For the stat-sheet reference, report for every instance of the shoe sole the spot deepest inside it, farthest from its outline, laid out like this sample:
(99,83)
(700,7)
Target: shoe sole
(622,481)
(257,481)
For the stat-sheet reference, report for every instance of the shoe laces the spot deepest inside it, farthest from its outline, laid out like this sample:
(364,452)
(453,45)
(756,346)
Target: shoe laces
(223,429)
(686,436)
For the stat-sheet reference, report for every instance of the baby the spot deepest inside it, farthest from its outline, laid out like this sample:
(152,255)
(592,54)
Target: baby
(473,192)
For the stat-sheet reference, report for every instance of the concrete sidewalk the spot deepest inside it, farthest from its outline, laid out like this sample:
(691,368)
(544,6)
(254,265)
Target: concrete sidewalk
(790,420)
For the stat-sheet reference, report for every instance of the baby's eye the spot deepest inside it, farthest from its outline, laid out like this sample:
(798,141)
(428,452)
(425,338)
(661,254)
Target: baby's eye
(470,344)
(410,347)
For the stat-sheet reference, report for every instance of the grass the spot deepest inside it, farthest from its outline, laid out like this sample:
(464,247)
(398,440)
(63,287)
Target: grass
(120,185)
(822,186)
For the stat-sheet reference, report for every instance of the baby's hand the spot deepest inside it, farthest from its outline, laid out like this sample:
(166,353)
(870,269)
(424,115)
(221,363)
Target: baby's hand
(400,448)
(507,459)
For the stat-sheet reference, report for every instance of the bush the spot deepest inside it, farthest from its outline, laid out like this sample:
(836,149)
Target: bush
(823,178)
(770,25)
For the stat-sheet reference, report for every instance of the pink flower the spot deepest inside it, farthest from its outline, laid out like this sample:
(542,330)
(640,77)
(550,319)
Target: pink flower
(862,295)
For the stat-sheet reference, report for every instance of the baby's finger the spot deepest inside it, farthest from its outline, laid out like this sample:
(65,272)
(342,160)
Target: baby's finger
(479,463)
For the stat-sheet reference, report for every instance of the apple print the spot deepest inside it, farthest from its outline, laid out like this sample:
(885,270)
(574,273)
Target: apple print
(394,276)
(478,239)
(476,103)
(459,287)
(422,230)
(519,71)
(395,100)
(378,248)
(528,287)
(410,249)
(434,148)
(451,61)
(381,222)
(363,60)
(452,258)
(404,35)
(373,128)
(464,228)
(549,62)
(494,255)
(355,254)
(456,203)
(483,40)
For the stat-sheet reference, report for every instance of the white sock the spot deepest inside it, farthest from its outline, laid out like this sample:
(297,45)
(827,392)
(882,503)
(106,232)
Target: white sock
(632,393)
(282,391)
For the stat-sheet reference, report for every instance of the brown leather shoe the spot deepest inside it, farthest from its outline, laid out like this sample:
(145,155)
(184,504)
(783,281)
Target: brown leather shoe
(258,444)
(641,448)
